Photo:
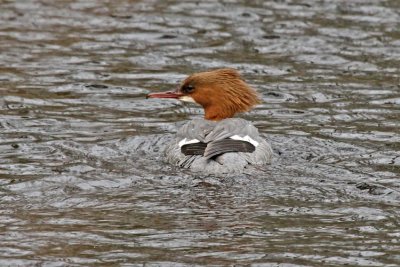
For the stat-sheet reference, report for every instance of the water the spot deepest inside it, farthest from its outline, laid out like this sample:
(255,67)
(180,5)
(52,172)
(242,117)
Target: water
(82,178)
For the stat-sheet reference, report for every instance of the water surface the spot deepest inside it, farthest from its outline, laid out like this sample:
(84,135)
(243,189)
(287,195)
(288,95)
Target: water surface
(82,176)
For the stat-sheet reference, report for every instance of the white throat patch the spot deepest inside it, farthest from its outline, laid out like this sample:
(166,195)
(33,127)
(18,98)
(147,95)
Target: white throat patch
(187,98)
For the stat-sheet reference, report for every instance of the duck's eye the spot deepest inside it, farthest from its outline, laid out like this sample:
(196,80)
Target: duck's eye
(188,88)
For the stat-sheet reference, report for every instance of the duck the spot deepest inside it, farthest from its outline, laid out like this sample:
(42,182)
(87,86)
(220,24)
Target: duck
(219,142)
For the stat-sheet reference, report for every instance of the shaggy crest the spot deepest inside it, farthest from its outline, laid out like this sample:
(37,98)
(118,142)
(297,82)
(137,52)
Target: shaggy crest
(221,92)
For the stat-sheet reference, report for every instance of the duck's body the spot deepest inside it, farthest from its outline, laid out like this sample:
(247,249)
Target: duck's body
(221,154)
(217,143)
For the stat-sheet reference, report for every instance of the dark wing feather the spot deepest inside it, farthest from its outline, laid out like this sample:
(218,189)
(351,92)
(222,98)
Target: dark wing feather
(216,148)
(194,149)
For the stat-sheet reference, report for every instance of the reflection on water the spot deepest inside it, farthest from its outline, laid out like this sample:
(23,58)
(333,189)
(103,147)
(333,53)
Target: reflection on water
(82,179)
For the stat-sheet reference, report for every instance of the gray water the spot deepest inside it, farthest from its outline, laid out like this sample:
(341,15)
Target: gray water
(82,176)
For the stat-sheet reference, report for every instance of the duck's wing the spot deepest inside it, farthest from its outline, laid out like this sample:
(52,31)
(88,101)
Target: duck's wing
(200,140)
(219,147)
(196,129)
(232,127)
(194,149)
(209,139)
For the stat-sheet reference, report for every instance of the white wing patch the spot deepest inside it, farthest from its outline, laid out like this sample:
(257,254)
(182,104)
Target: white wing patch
(186,142)
(246,138)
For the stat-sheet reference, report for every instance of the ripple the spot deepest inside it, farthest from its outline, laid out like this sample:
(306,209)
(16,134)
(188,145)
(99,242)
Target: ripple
(82,163)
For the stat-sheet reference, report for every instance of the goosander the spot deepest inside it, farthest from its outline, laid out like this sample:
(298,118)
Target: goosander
(218,143)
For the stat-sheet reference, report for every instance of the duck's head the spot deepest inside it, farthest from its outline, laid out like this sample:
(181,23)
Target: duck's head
(222,93)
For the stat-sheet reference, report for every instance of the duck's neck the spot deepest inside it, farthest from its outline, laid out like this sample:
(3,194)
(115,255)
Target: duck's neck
(214,113)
